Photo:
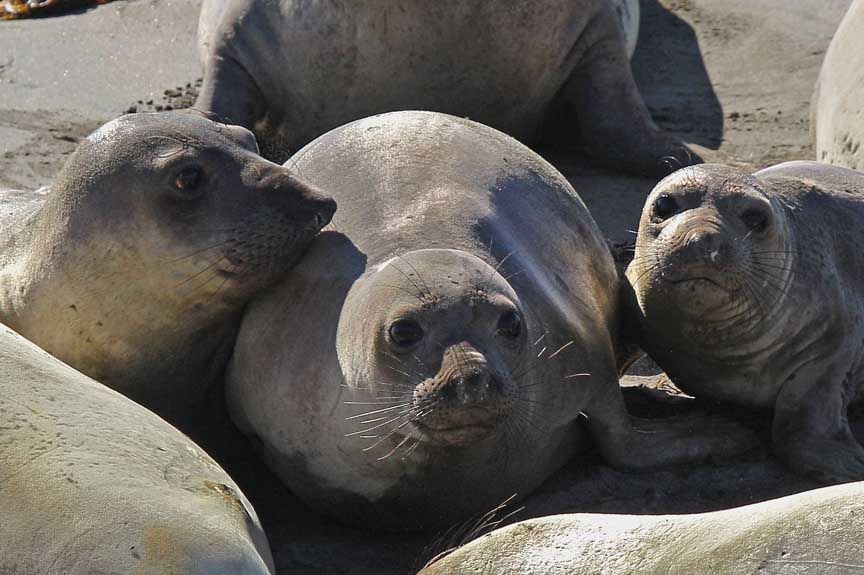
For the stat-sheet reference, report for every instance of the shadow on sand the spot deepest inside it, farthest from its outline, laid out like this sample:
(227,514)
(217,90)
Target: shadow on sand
(670,71)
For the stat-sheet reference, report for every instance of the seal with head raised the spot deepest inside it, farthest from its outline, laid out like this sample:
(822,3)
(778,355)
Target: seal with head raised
(92,483)
(749,288)
(292,70)
(814,532)
(432,353)
(136,264)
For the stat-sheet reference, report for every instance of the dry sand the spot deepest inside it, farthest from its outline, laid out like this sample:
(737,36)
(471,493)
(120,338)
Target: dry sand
(733,76)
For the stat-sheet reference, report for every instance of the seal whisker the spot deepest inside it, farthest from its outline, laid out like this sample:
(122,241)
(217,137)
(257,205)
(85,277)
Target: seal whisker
(562,348)
(197,274)
(428,293)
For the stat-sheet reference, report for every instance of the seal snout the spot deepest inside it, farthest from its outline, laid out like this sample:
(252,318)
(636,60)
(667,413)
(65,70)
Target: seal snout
(305,203)
(466,397)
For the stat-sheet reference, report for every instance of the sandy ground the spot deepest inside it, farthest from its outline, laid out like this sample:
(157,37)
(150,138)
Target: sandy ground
(733,76)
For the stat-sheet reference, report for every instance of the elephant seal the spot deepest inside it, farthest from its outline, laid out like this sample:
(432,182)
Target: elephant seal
(93,483)
(817,531)
(292,70)
(449,328)
(749,288)
(135,266)
(838,103)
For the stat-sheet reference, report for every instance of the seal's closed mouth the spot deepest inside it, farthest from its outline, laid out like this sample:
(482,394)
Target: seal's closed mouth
(459,435)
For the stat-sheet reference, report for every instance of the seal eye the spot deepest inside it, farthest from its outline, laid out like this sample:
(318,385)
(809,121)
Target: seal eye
(405,333)
(755,220)
(665,206)
(510,324)
(189,179)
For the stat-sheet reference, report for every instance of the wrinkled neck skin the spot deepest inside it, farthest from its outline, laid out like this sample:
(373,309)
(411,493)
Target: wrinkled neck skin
(387,384)
(116,313)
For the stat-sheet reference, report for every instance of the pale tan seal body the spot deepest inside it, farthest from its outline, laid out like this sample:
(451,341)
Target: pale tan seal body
(749,288)
(291,70)
(136,263)
(837,114)
(431,356)
(816,532)
(94,484)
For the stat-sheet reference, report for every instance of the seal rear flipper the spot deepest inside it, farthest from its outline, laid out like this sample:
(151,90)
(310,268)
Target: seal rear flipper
(617,129)
(811,432)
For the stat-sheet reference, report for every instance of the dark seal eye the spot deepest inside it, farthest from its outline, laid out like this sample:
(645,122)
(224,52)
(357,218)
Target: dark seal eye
(510,324)
(189,179)
(405,333)
(755,220)
(665,206)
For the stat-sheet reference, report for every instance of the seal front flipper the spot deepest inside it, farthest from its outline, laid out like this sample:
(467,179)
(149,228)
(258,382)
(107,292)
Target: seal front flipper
(636,444)
(617,129)
(811,433)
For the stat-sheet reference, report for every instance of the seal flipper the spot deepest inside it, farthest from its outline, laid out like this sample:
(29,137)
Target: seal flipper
(637,445)
(614,123)
(243,105)
(811,432)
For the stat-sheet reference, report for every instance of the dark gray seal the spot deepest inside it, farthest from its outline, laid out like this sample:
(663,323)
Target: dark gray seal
(292,70)
(135,265)
(749,288)
(432,353)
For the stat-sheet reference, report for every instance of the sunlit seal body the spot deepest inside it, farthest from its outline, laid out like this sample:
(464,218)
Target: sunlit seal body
(430,356)
(92,483)
(134,267)
(837,114)
(749,288)
(292,70)
(813,532)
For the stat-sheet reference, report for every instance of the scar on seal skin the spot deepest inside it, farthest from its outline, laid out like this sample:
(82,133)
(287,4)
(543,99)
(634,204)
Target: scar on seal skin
(749,289)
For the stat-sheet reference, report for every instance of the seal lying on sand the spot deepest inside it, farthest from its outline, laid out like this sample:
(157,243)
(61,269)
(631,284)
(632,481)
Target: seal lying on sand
(93,483)
(292,70)
(431,356)
(749,288)
(135,266)
(836,117)
(813,532)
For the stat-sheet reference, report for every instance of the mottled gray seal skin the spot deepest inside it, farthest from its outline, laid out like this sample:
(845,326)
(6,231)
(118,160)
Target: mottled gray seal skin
(135,265)
(837,112)
(433,351)
(814,532)
(291,70)
(749,288)
(92,483)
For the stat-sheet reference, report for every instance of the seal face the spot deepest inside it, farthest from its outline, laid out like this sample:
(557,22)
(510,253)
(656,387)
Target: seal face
(136,264)
(747,290)
(515,70)
(462,312)
(442,356)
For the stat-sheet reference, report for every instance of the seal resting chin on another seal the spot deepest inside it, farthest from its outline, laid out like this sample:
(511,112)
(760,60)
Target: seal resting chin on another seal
(291,70)
(431,355)
(749,288)
(135,266)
